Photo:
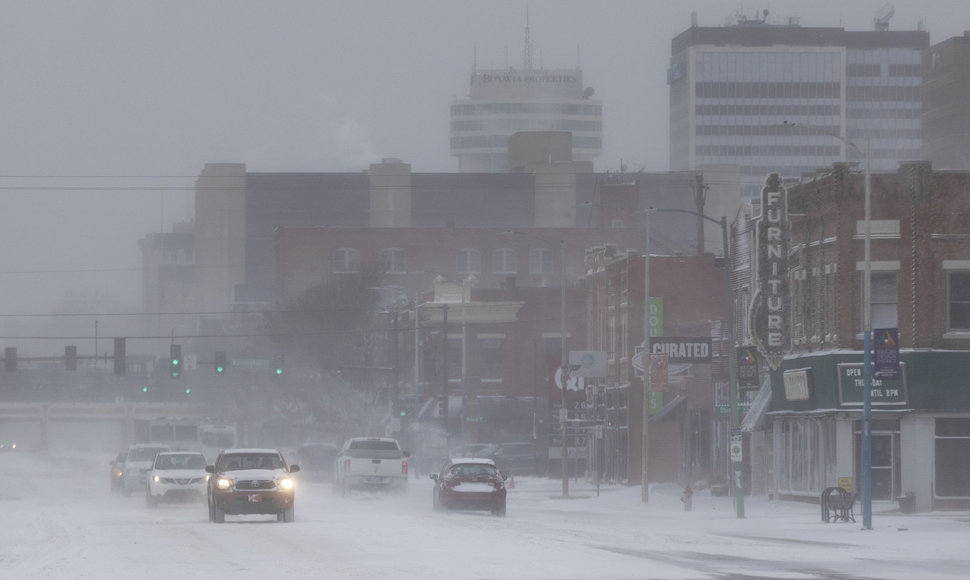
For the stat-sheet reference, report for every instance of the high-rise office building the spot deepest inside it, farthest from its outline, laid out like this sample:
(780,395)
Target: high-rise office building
(505,101)
(733,88)
(946,103)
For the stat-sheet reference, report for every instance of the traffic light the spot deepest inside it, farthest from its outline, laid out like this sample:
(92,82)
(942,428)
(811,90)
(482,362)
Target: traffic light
(10,358)
(220,362)
(120,363)
(278,365)
(175,361)
(70,358)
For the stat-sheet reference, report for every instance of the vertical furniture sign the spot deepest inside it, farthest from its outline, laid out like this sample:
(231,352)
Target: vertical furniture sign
(770,311)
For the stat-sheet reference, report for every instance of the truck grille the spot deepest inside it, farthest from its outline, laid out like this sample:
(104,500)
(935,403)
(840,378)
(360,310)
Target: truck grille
(251,484)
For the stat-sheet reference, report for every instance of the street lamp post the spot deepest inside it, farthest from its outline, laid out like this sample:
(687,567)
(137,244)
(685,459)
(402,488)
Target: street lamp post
(645,436)
(866,483)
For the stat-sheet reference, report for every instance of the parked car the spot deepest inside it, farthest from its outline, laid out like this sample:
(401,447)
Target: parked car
(117,472)
(251,481)
(176,476)
(469,483)
(138,461)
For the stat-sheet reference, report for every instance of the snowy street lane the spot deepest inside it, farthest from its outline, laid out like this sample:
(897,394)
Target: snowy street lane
(60,521)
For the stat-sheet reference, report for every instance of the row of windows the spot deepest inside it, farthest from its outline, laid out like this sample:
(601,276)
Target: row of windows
(468,261)
(884,304)
(769,90)
(869,112)
(474,109)
(773,130)
(875,70)
(768,66)
(502,141)
(533,124)
(773,110)
(769,150)
(890,93)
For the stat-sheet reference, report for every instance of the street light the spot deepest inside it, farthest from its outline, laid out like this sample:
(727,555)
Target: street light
(866,327)
(564,360)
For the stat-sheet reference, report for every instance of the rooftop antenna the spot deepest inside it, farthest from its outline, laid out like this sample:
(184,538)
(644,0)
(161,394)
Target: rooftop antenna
(527,49)
(885,12)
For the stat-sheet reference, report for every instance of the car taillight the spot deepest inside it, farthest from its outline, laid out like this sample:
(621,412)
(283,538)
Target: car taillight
(404,467)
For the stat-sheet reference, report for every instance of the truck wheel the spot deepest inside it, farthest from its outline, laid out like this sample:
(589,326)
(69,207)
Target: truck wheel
(285,515)
(212,513)
(218,516)
(499,511)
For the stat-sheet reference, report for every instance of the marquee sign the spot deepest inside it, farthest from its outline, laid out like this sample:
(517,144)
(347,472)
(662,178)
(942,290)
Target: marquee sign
(770,312)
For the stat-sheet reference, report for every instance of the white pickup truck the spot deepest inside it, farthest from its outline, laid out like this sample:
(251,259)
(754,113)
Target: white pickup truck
(371,463)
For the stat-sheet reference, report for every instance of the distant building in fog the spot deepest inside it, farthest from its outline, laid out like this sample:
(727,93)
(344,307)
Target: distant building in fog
(733,87)
(502,102)
(946,103)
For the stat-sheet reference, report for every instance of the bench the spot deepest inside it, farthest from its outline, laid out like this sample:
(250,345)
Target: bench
(836,504)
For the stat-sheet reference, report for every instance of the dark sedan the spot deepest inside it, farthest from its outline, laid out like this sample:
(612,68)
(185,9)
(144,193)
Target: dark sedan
(471,484)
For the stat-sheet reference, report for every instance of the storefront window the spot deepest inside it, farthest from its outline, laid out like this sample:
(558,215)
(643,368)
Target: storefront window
(952,457)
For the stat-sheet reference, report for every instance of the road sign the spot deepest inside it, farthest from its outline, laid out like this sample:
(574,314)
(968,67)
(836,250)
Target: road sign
(736,448)
(590,363)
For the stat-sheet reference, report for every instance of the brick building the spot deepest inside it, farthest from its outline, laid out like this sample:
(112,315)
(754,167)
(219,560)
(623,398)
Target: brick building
(920,285)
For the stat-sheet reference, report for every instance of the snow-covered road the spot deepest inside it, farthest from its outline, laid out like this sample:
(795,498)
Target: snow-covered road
(60,521)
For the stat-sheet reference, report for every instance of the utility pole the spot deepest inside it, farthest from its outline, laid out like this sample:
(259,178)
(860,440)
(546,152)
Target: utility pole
(645,442)
(700,197)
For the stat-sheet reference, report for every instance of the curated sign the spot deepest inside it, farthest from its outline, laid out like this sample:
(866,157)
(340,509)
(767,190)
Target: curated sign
(683,350)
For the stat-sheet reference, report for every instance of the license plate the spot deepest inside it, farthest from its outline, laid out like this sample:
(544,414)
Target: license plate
(255,497)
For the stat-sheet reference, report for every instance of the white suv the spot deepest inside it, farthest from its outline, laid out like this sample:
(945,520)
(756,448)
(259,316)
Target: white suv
(138,461)
(176,476)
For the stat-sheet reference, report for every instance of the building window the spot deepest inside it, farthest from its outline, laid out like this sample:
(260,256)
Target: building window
(346,260)
(493,359)
(884,300)
(958,305)
(952,442)
(540,261)
(394,261)
(469,261)
(504,261)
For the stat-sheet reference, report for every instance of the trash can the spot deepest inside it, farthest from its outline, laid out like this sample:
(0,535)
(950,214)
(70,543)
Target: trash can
(907,502)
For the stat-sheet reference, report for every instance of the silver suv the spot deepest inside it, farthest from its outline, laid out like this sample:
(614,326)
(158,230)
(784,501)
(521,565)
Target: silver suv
(138,462)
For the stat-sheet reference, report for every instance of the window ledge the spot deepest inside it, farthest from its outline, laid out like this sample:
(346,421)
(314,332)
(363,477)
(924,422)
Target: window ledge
(957,335)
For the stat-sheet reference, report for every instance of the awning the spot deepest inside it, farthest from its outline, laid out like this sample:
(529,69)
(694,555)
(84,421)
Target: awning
(669,407)
(754,419)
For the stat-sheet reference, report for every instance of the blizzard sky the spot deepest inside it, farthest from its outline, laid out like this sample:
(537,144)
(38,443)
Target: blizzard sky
(110,108)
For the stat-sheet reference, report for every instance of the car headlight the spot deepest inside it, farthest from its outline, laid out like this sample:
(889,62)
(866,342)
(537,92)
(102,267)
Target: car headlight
(286,483)
(223,483)
(156,479)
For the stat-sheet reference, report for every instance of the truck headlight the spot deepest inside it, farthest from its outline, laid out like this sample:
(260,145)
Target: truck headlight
(286,483)
(156,479)
(223,483)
